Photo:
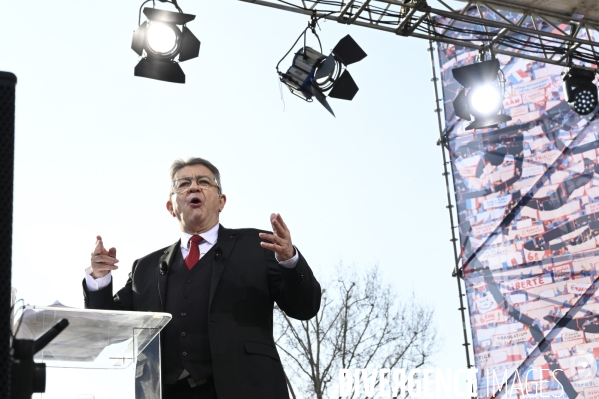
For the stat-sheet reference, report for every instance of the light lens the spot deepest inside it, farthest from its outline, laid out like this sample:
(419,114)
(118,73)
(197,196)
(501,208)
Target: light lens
(162,39)
(486,99)
(584,102)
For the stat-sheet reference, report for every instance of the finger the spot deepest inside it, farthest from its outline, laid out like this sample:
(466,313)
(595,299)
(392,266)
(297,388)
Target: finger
(99,248)
(281,231)
(280,219)
(272,238)
(273,218)
(107,259)
(102,266)
(273,247)
(112,252)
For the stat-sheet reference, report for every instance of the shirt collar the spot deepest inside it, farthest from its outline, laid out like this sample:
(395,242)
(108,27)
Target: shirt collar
(209,236)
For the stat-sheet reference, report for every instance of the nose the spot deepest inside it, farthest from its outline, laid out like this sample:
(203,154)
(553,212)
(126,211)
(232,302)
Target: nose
(192,188)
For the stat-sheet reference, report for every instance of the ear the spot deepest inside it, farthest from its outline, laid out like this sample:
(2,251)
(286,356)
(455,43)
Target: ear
(169,207)
(222,201)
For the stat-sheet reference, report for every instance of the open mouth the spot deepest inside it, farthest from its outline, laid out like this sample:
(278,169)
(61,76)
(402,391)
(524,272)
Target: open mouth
(195,201)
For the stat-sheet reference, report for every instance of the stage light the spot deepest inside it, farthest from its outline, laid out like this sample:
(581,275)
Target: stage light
(162,45)
(486,99)
(162,38)
(580,91)
(312,73)
(482,95)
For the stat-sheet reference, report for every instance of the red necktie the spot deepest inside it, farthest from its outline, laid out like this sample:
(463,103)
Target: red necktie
(194,252)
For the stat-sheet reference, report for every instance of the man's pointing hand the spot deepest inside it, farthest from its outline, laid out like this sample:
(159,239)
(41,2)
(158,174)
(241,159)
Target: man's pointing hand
(102,261)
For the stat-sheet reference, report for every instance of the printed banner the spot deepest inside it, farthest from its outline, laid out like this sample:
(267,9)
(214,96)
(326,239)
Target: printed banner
(529,282)
(575,288)
(532,86)
(591,208)
(486,304)
(511,354)
(527,232)
(569,335)
(559,177)
(585,264)
(495,316)
(530,213)
(534,96)
(468,167)
(484,229)
(512,101)
(505,261)
(497,202)
(547,158)
(585,246)
(567,237)
(591,393)
(593,192)
(567,209)
(511,338)
(533,256)
(491,252)
(532,182)
(534,170)
(490,215)
(561,273)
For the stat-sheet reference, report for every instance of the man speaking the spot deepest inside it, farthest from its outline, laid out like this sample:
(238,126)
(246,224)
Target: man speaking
(220,286)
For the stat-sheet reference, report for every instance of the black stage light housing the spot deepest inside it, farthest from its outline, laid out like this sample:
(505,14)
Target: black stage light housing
(27,376)
(580,91)
(312,73)
(160,40)
(481,85)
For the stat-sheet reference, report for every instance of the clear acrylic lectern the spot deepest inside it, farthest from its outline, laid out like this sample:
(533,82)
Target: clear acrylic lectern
(102,354)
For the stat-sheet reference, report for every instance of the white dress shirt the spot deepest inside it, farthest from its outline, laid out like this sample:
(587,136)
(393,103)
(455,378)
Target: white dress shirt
(209,240)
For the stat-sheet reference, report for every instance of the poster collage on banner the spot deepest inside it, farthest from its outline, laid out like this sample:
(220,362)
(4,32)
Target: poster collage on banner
(527,197)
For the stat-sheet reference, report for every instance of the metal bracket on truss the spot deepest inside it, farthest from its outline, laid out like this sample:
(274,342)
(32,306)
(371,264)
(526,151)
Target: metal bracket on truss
(443,141)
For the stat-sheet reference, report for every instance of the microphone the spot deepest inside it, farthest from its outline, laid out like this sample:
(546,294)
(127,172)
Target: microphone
(218,256)
(163,268)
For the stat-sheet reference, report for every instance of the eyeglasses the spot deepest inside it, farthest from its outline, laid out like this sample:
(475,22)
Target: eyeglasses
(204,182)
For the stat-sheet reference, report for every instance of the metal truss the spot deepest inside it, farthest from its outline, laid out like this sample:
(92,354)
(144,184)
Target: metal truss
(488,26)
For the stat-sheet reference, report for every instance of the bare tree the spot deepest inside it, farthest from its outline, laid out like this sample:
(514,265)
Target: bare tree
(361,324)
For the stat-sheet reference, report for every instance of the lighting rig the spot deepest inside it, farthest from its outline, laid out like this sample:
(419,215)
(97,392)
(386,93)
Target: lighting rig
(313,74)
(163,41)
(481,98)
(525,29)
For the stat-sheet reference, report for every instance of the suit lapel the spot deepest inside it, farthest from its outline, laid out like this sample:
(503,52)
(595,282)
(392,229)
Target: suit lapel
(223,248)
(164,265)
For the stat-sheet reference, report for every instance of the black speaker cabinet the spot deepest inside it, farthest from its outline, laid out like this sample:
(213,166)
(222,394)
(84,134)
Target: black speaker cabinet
(8,82)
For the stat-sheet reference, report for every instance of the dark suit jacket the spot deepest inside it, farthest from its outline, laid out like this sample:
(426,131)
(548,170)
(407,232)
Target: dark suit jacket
(245,285)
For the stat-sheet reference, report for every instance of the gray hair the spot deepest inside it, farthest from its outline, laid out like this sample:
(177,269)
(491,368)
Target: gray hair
(182,163)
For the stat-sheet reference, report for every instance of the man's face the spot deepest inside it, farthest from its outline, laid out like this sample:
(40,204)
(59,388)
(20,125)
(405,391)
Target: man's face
(196,208)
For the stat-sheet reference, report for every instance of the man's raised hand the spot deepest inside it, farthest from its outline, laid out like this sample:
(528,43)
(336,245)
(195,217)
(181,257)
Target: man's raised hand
(280,241)
(102,261)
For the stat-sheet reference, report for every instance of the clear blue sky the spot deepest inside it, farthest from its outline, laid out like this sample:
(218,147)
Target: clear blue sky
(94,143)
